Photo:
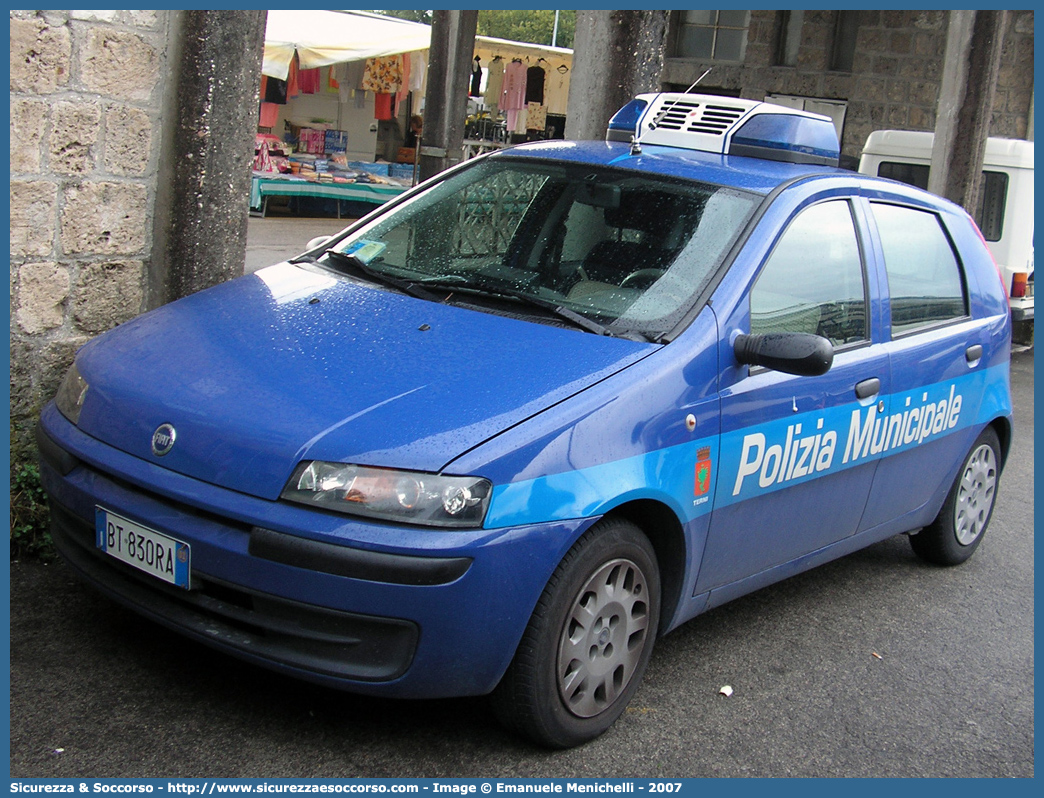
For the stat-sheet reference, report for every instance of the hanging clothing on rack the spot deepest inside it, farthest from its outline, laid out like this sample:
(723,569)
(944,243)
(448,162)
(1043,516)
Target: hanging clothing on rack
(383,75)
(556,90)
(292,88)
(383,107)
(535,84)
(344,87)
(513,95)
(476,78)
(418,68)
(536,116)
(309,81)
(354,71)
(274,91)
(268,115)
(494,84)
(404,88)
(332,84)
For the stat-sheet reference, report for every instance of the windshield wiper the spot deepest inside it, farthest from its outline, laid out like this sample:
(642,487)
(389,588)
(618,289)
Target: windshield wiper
(502,292)
(377,276)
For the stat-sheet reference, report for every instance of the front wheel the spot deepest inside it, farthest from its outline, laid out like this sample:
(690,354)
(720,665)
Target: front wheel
(588,642)
(959,528)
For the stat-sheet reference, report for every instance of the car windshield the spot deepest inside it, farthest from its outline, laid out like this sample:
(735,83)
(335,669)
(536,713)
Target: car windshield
(612,247)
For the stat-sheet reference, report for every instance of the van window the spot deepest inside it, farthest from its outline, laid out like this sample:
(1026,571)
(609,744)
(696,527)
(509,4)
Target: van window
(992,200)
(813,280)
(924,278)
(913,174)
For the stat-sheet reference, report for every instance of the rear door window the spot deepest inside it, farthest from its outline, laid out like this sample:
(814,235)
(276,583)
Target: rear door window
(924,277)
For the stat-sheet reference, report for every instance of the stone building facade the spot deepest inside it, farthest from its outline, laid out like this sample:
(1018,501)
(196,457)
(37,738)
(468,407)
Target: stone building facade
(889,77)
(87,89)
(131,144)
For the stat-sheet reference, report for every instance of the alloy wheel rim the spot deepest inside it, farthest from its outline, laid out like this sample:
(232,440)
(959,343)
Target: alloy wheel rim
(975,495)
(603,638)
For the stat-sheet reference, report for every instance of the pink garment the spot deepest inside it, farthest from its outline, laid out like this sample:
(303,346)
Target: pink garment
(269,115)
(513,95)
(404,89)
(309,81)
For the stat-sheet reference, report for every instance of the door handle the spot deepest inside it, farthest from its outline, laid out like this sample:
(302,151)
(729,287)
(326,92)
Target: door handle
(973,353)
(867,388)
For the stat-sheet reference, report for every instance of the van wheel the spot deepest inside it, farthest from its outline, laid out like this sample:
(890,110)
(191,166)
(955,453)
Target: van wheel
(958,529)
(588,642)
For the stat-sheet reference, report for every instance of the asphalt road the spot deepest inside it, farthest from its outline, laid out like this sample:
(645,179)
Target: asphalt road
(874,665)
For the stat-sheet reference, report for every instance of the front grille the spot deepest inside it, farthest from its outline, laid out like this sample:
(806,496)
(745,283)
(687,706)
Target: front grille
(257,625)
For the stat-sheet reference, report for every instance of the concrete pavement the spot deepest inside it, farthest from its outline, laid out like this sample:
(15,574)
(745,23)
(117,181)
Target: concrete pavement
(275,238)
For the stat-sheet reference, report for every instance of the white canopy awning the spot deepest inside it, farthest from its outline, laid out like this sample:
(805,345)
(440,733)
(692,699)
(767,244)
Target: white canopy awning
(321,38)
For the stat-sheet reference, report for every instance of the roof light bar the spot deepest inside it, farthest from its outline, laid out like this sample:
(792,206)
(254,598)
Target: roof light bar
(729,126)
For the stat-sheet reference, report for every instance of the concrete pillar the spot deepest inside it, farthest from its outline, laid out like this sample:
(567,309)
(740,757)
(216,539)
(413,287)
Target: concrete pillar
(970,70)
(616,54)
(446,99)
(203,203)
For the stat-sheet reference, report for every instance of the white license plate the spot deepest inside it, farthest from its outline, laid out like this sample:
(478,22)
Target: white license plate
(146,549)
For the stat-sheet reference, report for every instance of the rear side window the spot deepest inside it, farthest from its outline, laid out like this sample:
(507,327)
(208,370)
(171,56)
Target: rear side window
(924,277)
(813,280)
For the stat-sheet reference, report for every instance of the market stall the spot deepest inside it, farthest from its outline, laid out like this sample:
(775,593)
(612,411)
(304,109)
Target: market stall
(339,89)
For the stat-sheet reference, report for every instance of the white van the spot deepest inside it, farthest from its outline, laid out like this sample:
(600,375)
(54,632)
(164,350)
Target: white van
(1005,213)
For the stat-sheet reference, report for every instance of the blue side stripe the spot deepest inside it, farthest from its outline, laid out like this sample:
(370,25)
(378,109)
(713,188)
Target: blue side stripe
(666,474)
(789,455)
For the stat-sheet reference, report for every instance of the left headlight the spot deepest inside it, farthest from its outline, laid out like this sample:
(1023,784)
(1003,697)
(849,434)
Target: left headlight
(404,496)
(71,394)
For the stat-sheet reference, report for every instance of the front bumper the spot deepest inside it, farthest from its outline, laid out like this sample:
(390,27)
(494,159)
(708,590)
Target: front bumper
(373,608)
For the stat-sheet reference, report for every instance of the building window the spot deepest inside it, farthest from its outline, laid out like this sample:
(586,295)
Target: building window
(711,35)
(788,37)
(846,31)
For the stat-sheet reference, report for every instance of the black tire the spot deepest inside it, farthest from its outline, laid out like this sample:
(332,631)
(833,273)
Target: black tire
(588,641)
(961,524)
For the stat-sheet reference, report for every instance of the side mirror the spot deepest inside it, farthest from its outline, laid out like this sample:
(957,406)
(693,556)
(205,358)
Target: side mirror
(794,353)
(316,242)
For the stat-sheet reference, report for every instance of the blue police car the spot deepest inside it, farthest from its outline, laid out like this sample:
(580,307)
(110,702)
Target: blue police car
(504,432)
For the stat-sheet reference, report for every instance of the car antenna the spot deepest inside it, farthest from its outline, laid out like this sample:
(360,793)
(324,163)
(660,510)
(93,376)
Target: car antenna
(636,145)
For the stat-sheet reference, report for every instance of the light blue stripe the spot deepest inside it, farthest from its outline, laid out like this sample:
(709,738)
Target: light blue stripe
(668,475)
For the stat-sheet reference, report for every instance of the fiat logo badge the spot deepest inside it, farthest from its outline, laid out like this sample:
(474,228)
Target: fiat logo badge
(163,439)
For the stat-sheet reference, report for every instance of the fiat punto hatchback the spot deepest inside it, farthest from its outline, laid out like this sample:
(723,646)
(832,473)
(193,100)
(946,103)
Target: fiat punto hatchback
(502,433)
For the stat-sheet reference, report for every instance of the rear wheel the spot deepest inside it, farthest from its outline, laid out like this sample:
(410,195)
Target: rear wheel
(958,529)
(588,642)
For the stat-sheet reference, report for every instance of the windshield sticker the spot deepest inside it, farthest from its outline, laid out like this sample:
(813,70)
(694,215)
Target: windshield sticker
(364,250)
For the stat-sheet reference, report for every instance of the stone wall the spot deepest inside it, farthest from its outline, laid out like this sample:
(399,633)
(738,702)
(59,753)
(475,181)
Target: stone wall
(895,77)
(87,89)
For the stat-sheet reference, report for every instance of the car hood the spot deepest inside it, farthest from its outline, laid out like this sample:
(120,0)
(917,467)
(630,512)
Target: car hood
(289,364)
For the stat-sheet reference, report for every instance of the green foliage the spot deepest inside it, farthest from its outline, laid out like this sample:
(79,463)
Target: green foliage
(535,27)
(30,519)
(411,14)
